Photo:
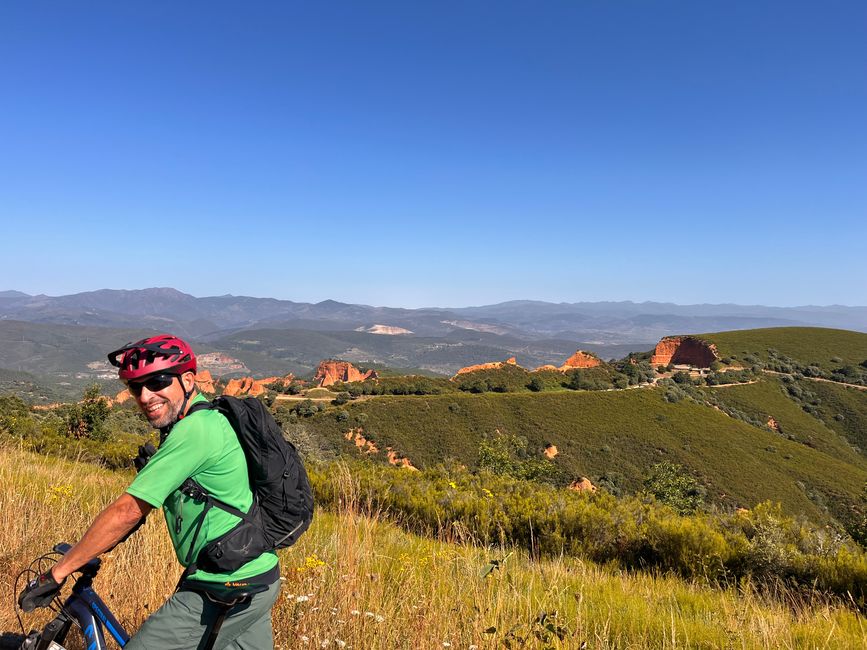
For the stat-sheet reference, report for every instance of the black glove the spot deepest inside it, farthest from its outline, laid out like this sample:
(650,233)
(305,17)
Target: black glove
(144,455)
(39,592)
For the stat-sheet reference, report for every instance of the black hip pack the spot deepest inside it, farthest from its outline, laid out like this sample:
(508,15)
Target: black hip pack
(282,499)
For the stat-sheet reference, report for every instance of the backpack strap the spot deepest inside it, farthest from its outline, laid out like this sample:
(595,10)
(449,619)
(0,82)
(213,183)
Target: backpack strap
(196,492)
(200,406)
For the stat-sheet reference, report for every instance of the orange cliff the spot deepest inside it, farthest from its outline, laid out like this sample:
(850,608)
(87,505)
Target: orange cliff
(511,361)
(254,387)
(581,359)
(330,372)
(686,350)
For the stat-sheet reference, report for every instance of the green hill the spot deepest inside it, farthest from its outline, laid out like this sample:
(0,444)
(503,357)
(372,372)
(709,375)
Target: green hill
(824,348)
(615,437)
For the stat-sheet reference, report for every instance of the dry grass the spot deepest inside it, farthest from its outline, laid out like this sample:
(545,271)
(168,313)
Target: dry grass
(356,581)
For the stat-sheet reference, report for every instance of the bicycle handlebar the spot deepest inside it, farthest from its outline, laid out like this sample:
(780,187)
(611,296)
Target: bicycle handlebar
(90,568)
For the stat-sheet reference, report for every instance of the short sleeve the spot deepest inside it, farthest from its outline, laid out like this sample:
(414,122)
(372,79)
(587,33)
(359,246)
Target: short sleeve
(187,451)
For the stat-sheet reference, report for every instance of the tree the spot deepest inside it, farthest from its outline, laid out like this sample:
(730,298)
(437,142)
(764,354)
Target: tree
(505,454)
(85,419)
(673,485)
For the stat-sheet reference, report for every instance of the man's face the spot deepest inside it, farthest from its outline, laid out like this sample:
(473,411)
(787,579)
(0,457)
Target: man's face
(160,397)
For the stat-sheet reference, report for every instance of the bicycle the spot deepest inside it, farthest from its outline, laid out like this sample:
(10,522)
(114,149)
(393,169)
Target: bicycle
(85,609)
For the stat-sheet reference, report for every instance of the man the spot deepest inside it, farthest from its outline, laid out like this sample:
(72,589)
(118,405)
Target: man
(160,374)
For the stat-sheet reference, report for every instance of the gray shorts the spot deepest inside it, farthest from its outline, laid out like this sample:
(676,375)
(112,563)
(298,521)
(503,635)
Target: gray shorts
(184,623)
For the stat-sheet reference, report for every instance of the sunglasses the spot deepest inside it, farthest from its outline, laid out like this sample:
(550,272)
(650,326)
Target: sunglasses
(154,384)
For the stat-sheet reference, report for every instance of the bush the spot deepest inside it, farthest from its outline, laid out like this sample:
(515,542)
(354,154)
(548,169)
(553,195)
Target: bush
(762,545)
(506,454)
(85,419)
(672,485)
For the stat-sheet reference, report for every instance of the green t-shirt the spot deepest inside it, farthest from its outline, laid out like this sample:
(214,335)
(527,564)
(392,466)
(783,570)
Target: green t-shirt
(205,447)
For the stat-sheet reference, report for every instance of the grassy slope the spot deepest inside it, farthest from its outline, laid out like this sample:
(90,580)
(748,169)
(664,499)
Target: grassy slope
(420,593)
(621,434)
(844,410)
(768,398)
(809,345)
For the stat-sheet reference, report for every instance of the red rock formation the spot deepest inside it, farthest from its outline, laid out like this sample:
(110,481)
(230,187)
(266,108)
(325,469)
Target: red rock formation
(204,382)
(584,485)
(581,359)
(331,372)
(399,461)
(547,366)
(254,387)
(773,424)
(551,450)
(686,350)
(357,437)
(511,361)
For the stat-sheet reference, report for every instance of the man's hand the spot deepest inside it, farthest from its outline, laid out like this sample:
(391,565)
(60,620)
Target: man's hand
(144,455)
(39,592)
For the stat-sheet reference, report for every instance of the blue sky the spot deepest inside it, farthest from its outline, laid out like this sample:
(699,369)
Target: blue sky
(449,153)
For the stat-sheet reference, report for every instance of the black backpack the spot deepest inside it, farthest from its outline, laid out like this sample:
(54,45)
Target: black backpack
(282,499)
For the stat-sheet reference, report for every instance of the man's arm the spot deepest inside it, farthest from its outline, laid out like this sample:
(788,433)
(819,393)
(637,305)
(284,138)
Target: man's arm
(107,530)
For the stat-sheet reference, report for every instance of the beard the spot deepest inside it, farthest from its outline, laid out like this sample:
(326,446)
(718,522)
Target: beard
(165,414)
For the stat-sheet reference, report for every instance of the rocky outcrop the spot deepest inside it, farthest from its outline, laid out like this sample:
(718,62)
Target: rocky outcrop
(582,485)
(204,382)
(330,372)
(253,387)
(550,451)
(581,359)
(399,461)
(511,361)
(773,425)
(356,436)
(685,350)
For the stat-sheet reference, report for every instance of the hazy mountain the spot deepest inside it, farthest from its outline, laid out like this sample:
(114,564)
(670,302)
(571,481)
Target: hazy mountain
(64,339)
(603,322)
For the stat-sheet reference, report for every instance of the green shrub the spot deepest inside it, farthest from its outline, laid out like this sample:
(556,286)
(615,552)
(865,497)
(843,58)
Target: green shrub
(762,544)
(674,486)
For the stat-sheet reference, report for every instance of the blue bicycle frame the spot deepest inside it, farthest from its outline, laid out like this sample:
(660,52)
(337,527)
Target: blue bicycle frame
(86,607)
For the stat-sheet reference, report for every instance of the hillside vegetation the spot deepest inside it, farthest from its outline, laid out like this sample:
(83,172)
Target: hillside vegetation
(615,437)
(357,581)
(828,349)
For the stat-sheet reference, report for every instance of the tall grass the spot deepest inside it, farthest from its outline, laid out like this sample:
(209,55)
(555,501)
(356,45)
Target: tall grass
(356,581)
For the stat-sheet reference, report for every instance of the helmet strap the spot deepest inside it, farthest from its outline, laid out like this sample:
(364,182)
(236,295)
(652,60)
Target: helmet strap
(187,395)
(166,430)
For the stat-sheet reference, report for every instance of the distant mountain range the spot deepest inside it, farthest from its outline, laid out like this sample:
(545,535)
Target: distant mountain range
(600,322)
(69,335)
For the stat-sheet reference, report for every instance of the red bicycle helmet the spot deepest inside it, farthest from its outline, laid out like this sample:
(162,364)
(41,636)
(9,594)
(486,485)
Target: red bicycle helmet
(161,353)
